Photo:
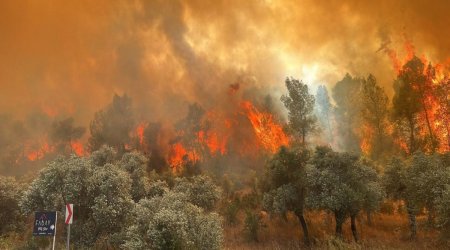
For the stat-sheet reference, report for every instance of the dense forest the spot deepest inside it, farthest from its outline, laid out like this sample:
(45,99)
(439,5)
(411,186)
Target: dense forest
(353,154)
(257,124)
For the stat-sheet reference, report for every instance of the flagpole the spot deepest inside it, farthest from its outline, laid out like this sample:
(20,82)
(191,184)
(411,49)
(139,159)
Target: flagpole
(68,238)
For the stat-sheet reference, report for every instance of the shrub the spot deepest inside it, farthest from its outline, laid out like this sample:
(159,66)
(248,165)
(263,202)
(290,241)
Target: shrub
(231,211)
(172,222)
(252,225)
(200,190)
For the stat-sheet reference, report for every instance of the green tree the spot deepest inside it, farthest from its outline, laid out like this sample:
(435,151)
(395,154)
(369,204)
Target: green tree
(342,184)
(200,190)
(284,185)
(109,189)
(375,115)
(300,106)
(419,181)
(346,94)
(113,125)
(134,164)
(443,207)
(170,221)
(101,196)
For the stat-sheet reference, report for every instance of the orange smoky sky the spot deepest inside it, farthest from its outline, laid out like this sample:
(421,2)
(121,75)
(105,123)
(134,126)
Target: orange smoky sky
(70,57)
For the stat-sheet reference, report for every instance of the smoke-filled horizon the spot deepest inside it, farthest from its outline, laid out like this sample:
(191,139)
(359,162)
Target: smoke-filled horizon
(69,58)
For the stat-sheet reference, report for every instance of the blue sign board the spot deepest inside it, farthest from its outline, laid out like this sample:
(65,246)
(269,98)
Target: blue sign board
(44,223)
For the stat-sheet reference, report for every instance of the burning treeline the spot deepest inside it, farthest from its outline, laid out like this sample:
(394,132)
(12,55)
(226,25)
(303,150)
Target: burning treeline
(355,115)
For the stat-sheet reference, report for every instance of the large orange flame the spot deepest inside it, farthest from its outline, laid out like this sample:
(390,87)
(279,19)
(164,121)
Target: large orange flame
(178,154)
(269,133)
(77,148)
(434,118)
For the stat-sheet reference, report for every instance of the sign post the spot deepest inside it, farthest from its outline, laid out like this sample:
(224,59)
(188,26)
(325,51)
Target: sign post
(69,219)
(45,224)
(54,235)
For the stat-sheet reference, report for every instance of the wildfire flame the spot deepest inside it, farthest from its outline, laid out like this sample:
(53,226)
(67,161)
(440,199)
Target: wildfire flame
(77,148)
(269,133)
(178,155)
(366,138)
(39,153)
(433,118)
(140,132)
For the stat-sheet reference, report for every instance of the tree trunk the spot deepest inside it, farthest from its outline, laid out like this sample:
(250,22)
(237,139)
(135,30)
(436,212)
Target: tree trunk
(340,218)
(353,226)
(369,218)
(304,227)
(412,221)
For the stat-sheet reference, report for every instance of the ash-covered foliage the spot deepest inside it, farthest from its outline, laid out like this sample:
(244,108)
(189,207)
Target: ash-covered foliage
(101,195)
(285,185)
(135,165)
(342,184)
(421,181)
(170,221)
(200,190)
(115,204)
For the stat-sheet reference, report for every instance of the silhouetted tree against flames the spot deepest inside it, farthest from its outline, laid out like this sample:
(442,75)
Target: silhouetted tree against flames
(375,116)
(63,133)
(443,111)
(285,183)
(189,129)
(152,141)
(346,94)
(410,103)
(113,125)
(300,106)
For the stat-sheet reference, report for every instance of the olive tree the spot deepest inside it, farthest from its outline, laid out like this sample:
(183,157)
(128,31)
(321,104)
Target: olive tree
(443,208)
(169,220)
(101,196)
(300,105)
(420,181)
(135,165)
(342,184)
(200,190)
(284,185)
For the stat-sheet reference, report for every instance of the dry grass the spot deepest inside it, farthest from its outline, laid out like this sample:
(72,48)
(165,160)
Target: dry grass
(387,232)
